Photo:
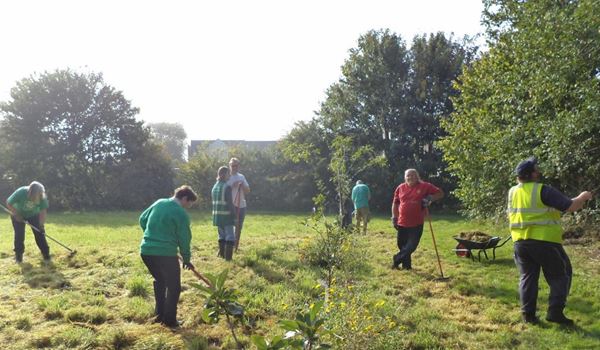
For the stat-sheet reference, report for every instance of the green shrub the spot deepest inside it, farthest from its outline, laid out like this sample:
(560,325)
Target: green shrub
(94,315)
(138,287)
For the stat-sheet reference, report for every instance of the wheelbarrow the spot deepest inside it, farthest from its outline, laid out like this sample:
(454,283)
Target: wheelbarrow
(465,247)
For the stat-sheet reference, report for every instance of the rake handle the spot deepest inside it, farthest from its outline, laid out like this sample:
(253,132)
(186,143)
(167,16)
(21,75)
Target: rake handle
(434,243)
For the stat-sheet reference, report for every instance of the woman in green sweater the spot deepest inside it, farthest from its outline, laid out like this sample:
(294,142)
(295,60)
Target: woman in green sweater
(166,227)
(29,204)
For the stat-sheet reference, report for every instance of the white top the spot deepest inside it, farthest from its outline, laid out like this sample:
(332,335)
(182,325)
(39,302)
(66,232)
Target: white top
(236,195)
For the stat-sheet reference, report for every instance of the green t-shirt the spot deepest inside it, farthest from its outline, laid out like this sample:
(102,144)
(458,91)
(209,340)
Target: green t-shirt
(360,196)
(25,207)
(166,227)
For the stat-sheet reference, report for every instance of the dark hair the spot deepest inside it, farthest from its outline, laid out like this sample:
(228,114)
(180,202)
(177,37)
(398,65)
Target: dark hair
(222,172)
(525,169)
(186,191)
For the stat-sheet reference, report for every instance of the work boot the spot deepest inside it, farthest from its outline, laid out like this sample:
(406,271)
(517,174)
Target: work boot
(221,249)
(46,257)
(557,316)
(18,258)
(530,318)
(229,250)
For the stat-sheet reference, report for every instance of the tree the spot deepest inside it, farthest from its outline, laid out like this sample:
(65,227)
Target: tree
(72,132)
(172,137)
(392,99)
(534,93)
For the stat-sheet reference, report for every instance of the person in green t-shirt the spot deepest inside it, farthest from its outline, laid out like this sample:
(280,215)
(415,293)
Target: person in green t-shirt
(166,227)
(360,197)
(29,204)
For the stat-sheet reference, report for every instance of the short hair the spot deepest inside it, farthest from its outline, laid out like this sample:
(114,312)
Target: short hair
(186,191)
(525,168)
(234,160)
(35,188)
(222,172)
(412,170)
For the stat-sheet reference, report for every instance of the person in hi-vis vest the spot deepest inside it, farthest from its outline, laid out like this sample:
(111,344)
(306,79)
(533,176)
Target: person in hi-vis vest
(534,218)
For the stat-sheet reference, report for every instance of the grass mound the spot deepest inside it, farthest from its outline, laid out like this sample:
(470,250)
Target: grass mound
(475,236)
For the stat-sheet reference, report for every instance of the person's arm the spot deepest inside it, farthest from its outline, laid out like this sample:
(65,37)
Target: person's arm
(43,213)
(438,195)
(245,186)
(184,234)
(229,201)
(14,212)
(579,201)
(144,218)
(395,206)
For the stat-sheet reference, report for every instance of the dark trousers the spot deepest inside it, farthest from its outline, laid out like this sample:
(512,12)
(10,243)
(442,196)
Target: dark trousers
(408,239)
(531,256)
(167,285)
(40,237)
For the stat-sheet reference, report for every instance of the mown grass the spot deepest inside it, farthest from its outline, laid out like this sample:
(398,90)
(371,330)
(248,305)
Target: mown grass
(101,298)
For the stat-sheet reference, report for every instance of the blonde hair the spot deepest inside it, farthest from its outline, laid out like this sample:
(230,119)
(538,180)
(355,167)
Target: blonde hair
(36,188)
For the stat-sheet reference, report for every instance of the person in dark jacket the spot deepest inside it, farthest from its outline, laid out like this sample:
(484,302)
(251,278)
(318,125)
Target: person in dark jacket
(166,227)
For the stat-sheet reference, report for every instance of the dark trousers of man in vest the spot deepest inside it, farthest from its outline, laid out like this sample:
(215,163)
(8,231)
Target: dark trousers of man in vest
(531,256)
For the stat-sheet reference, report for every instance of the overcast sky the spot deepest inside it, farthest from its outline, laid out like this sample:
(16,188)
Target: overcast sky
(223,69)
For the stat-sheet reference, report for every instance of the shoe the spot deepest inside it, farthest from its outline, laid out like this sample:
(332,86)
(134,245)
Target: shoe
(173,325)
(559,317)
(395,267)
(405,267)
(19,258)
(47,257)
(530,318)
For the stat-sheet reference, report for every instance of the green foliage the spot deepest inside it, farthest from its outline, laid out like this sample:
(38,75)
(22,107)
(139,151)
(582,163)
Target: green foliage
(332,249)
(138,287)
(220,301)
(534,93)
(92,314)
(79,137)
(23,323)
(389,100)
(305,332)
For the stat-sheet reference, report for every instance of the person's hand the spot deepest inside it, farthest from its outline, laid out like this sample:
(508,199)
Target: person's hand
(188,266)
(425,202)
(586,195)
(395,222)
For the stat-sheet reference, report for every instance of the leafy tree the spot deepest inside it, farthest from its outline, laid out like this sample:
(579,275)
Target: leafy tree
(391,99)
(73,132)
(534,93)
(172,137)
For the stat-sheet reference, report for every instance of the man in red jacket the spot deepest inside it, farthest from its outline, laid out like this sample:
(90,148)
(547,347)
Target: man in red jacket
(411,198)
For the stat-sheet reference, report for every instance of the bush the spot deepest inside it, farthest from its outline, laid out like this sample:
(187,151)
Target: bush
(138,287)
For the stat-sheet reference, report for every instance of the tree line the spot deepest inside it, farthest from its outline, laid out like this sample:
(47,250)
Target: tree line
(461,116)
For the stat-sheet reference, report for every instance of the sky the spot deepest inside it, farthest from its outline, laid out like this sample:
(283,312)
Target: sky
(229,70)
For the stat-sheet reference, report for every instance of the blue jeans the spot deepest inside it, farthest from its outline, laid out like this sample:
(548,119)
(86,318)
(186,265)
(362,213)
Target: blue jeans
(408,239)
(226,233)
(531,256)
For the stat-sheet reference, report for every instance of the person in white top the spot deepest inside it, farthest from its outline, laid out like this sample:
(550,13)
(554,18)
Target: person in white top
(239,190)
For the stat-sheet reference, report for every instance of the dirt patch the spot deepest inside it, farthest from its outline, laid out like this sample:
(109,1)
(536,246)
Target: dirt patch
(475,236)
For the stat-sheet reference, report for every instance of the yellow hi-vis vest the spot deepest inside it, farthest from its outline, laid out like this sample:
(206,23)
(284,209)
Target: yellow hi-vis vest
(530,218)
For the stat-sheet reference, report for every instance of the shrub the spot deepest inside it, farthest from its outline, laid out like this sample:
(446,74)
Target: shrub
(138,287)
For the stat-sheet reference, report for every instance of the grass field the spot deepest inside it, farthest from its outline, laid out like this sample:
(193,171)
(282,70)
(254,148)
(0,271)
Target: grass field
(101,298)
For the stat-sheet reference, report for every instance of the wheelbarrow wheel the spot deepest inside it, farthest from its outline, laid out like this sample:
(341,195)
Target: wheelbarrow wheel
(461,251)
